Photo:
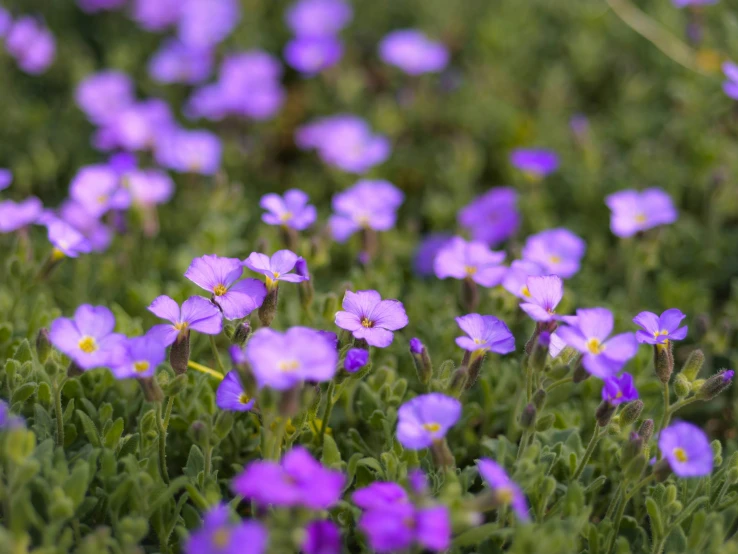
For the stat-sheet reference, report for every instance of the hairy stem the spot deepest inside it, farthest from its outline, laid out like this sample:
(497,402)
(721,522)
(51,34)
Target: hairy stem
(216,355)
(588,453)
(162,445)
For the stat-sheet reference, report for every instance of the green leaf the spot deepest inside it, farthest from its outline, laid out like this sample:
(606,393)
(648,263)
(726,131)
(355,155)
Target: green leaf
(128,446)
(373,464)
(44,393)
(76,484)
(478,535)
(88,426)
(23,352)
(331,455)
(112,437)
(195,462)
(23,393)
(654,513)
(162,495)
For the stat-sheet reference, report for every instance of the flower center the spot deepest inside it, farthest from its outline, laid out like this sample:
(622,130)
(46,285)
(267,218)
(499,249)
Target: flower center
(141,366)
(504,495)
(221,538)
(554,259)
(87,345)
(680,454)
(57,254)
(525,291)
(366,322)
(102,199)
(657,334)
(220,290)
(288,365)
(363,220)
(595,346)
(244,398)
(640,218)
(432,427)
(285,217)
(470,270)
(181,326)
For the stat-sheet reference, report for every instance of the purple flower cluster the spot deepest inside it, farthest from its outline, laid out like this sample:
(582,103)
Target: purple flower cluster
(29,41)
(633,211)
(413,52)
(179,62)
(370,318)
(492,217)
(619,389)
(366,205)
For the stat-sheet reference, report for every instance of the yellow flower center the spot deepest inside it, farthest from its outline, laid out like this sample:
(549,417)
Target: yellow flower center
(595,346)
(432,427)
(220,290)
(525,291)
(57,254)
(221,538)
(640,218)
(680,454)
(657,334)
(470,270)
(181,326)
(554,259)
(102,199)
(87,345)
(288,365)
(141,366)
(244,398)
(366,322)
(363,220)
(504,495)
(286,216)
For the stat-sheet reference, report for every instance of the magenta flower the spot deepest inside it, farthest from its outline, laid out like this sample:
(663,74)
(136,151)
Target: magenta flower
(413,52)
(634,211)
(318,18)
(460,259)
(190,151)
(88,338)
(291,210)
(283,360)
(426,419)
(149,187)
(492,217)
(102,95)
(516,278)
(322,537)
(31,44)
(557,251)
(65,238)
(619,389)
(356,358)
(588,334)
(220,276)
(97,188)
(6,177)
(219,536)
(486,334)
(275,269)
(344,141)
(138,357)
(369,317)
(367,205)
(544,294)
(731,85)
(299,480)
(197,314)
(14,216)
(176,62)
(687,449)
(506,491)
(311,55)
(205,23)
(537,163)
(660,330)
(231,395)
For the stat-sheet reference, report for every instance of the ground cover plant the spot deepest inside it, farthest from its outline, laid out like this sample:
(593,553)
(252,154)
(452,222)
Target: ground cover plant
(325,276)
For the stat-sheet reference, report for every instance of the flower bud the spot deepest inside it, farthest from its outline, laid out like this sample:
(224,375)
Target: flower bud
(733,475)
(458,381)
(682,386)
(528,417)
(199,433)
(715,385)
(632,448)
(151,390)
(663,361)
(268,308)
(631,412)
(43,345)
(645,431)
(693,365)
(422,361)
(539,399)
(540,351)
(179,354)
(74,370)
(671,494)
(604,413)
(241,333)
(717,450)
(636,466)
(475,366)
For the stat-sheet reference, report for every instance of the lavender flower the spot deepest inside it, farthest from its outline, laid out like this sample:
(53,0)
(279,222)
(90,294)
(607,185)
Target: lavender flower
(619,389)
(460,259)
(369,317)
(149,187)
(492,217)
(516,278)
(356,358)
(205,23)
(275,269)
(88,338)
(413,52)
(93,230)
(486,333)
(634,211)
(139,357)
(299,480)
(536,163)
(197,314)
(156,15)
(231,395)
(506,491)
(380,495)
(322,537)
(291,210)
(366,205)
(660,329)
(190,151)
(14,216)
(557,251)
(67,240)
(138,126)
(219,276)
(176,62)
(283,360)
(330,337)
(311,55)
(31,44)
(687,449)
(6,177)
(318,18)
(97,188)
(219,536)
(544,293)
(602,358)
(426,419)
(6,20)
(731,85)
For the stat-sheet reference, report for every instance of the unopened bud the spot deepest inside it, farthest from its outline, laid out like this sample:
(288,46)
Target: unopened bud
(674,508)
(604,413)
(43,345)
(475,366)
(528,417)
(662,470)
(733,475)
(645,431)
(693,365)
(715,385)
(663,361)
(458,381)
(199,433)
(671,494)
(268,308)
(636,466)
(540,352)
(717,449)
(422,361)
(682,386)
(631,449)
(241,333)
(631,412)
(179,354)
(289,402)
(151,390)
(539,399)
(74,370)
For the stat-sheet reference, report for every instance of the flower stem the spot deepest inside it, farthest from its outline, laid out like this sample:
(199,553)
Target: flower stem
(326,412)
(59,412)
(162,445)
(558,383)
(205,369)
(667,416)
(276,449)
(168,412)
(618,518)
(588,453)
(216,355)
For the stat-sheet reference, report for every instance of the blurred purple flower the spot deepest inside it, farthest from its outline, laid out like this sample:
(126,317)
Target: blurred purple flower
(218,536)
(426,419)
(634,211)
(98,189)
(311,55)
(413,52)
(544,294)
(6,20)
(291,210)
(318,18)
(356,358)
(88,338)
(685,3)
(275,269)
(231,395)
(557,251)
(426,252)
(176,62)
(506,491)
(136,127)
(687,449)
(205,23)
(322,537)
(139,357)
(156,15)
(619,389)
(7,419)
(6,177)
(536,163)
(149,187)
(14,216)
(197,314)
(95,231)
(187,151)
(65,238)
(492,217)
(369,317)
(31,44)
(366,205)
(486,333)
(660,329)
(460,259)
(104,94)
(516,278)
(416,346)
(731,85)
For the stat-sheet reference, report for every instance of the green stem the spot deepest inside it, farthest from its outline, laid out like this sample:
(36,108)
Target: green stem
(208,460)
(168,412)
(680,404)
(588,453)
(658,545)
(216,355)
(558,383)
(59,412)
(327,412)
(613,505)
(623,500)
(523,444)
(667,416)
(162,445)
(276,449)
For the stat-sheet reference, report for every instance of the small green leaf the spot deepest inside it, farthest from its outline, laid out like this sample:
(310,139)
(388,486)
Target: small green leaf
(23,352)
(129,445)
(76,484)
(88,426)
(195,462)
(112,437)
(331,455)
(44,393)
(654,513)
(23,393)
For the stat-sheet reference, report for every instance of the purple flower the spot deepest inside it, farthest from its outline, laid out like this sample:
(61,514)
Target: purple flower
(7,419)
(426,419)
(31,44)
(176,62)
(197,314)
(418,481)
(356,358)
(14,216)
(97,233)
(660,330)
(380,495)
(204,23)
(685,3)
(506,491)
(366,205)
(537,163)
(6,177)
(6,20)
(88,338)
(544,294)
(275,269)
(156,15)
(322,537)
(492,217)
(149,187)
(190,151)
(633,211)
(318,18)
(460,259)
(426,253)
(687,449)
(369,317)
(139,357)
(588,334)
(330,337)
(619,389)
(486,333)
(731,85)
(231,395)
(66,240)
(97,188)
(416,346)
(516,278)
(219,276)
(557,251)
(283,360)
(92,6)
(291,210)
(299,480)
(218,536)
(311,55)
(413,52)
(728,375)
(138,126)
(345,142)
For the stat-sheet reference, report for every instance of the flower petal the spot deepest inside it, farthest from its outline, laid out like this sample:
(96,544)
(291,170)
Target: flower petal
(165,308)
